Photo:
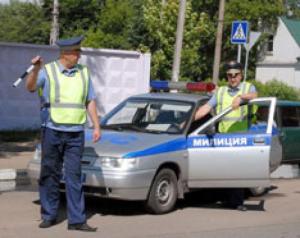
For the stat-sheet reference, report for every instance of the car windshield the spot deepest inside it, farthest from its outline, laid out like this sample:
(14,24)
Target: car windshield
(150,116)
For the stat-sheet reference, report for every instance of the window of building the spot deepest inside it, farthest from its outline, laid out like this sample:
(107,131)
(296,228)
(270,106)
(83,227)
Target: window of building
(270,43)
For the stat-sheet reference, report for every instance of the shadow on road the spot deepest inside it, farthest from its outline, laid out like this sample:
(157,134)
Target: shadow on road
(204,199)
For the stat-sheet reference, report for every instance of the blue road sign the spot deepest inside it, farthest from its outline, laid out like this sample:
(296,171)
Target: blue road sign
(239,32)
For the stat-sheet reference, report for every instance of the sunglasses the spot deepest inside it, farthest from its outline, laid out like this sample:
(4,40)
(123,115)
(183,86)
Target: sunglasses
(233,75)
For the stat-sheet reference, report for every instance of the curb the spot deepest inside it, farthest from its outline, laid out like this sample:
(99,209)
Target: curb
(11,178)
(286,171)
(8,174)
(13,174)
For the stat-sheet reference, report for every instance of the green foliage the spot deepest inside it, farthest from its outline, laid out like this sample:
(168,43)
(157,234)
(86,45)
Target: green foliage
(277,89)
(161,23)
(293,7)
(23,22)
(273,88)
(114,26)
(75,16)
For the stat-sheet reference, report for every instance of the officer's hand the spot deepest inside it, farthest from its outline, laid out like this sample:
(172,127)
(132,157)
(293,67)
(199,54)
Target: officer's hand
(37,61)
(96,134)
(236,102)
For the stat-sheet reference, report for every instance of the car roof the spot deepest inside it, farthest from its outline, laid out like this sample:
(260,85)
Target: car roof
(188,97)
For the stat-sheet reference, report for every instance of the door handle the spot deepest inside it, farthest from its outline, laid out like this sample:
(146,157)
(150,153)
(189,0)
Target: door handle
(259,140)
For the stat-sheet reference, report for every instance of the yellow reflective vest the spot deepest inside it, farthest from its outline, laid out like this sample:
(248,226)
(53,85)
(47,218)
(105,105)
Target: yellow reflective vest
(67,95)
(237,119)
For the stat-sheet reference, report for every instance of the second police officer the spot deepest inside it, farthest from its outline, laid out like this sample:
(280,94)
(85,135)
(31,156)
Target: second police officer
(233,94)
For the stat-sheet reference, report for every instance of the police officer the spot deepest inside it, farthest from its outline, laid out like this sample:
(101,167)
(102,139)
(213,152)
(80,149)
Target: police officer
(233,95)
(66,93)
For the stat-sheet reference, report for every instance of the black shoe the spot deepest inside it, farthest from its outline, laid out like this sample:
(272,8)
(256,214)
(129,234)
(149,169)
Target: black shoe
(82,227)
(241,208)
(47,224)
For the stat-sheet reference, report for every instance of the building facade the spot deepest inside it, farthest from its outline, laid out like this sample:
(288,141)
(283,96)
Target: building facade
(281,59)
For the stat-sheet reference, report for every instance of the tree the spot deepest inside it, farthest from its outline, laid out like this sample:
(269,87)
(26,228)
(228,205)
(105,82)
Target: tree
(160,23)
(75,16)
(293,8)
(114,25)
(23,22)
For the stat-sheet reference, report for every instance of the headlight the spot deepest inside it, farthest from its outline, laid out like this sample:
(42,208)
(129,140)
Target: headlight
(116,163)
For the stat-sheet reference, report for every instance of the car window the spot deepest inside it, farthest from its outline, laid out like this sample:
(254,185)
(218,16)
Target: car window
(257,118)
(151,116)
(290,116)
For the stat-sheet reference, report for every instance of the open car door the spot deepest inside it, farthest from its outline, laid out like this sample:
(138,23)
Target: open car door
(239,159)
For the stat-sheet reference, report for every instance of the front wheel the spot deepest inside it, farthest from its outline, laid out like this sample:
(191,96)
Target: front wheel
(163,192)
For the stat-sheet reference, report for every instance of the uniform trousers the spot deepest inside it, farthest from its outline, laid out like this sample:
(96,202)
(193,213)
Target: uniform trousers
(61,159)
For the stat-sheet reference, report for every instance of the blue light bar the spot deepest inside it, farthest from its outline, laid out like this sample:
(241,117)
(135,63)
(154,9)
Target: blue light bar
(159,85)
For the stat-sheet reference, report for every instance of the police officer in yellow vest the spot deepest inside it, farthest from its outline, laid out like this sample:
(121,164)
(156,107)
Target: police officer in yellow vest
(66,93)
(231,95)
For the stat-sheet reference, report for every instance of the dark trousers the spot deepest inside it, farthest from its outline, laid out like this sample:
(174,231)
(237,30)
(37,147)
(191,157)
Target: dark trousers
(61,153)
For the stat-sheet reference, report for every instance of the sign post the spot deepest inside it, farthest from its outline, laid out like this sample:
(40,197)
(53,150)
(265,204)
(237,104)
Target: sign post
(253,37)
(239,35)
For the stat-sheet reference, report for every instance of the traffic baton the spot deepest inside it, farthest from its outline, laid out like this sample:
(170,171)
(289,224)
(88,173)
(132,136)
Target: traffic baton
(19,80)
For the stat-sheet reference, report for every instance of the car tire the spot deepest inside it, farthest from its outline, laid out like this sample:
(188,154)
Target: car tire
(163,192)
(258,191)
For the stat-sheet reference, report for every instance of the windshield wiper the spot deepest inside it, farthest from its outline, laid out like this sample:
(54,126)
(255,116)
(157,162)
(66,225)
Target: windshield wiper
(121,127)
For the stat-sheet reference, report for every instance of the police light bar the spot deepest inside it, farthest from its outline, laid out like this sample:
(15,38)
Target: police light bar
(191,86)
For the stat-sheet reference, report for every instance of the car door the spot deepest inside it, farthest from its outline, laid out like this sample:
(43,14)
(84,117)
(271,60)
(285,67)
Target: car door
(290,128)
(240,159)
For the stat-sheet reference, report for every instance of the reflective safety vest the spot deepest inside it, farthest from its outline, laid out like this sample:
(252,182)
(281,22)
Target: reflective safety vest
(67,95)
(237,119)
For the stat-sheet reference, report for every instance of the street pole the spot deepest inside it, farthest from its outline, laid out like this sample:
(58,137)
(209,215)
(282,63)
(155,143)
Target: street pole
(238,59)
(55,25)
(178,45)
(246,65)
(218,44)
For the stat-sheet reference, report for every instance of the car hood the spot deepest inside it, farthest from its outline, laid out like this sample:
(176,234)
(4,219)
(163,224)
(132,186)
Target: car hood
(128,144)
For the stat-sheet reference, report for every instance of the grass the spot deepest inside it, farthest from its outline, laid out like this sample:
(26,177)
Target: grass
(19,136)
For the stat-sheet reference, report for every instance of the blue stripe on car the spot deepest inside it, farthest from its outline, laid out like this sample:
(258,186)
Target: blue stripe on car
(170,146)
(201,141)
(229,140)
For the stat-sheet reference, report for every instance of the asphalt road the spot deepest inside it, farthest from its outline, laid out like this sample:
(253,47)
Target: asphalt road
(274,215)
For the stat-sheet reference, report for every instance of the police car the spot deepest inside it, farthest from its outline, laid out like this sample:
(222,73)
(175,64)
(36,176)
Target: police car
(151,149)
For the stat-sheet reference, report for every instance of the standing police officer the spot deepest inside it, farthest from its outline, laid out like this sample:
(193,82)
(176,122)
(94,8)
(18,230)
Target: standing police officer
(233,95)
(66,92)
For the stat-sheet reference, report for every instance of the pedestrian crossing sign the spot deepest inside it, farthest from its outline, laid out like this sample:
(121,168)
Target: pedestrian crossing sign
(239,32)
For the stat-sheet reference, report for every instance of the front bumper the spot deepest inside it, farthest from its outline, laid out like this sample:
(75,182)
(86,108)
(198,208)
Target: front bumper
(124,185)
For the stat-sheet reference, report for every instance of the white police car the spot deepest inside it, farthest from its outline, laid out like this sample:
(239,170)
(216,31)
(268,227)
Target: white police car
(152,150)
